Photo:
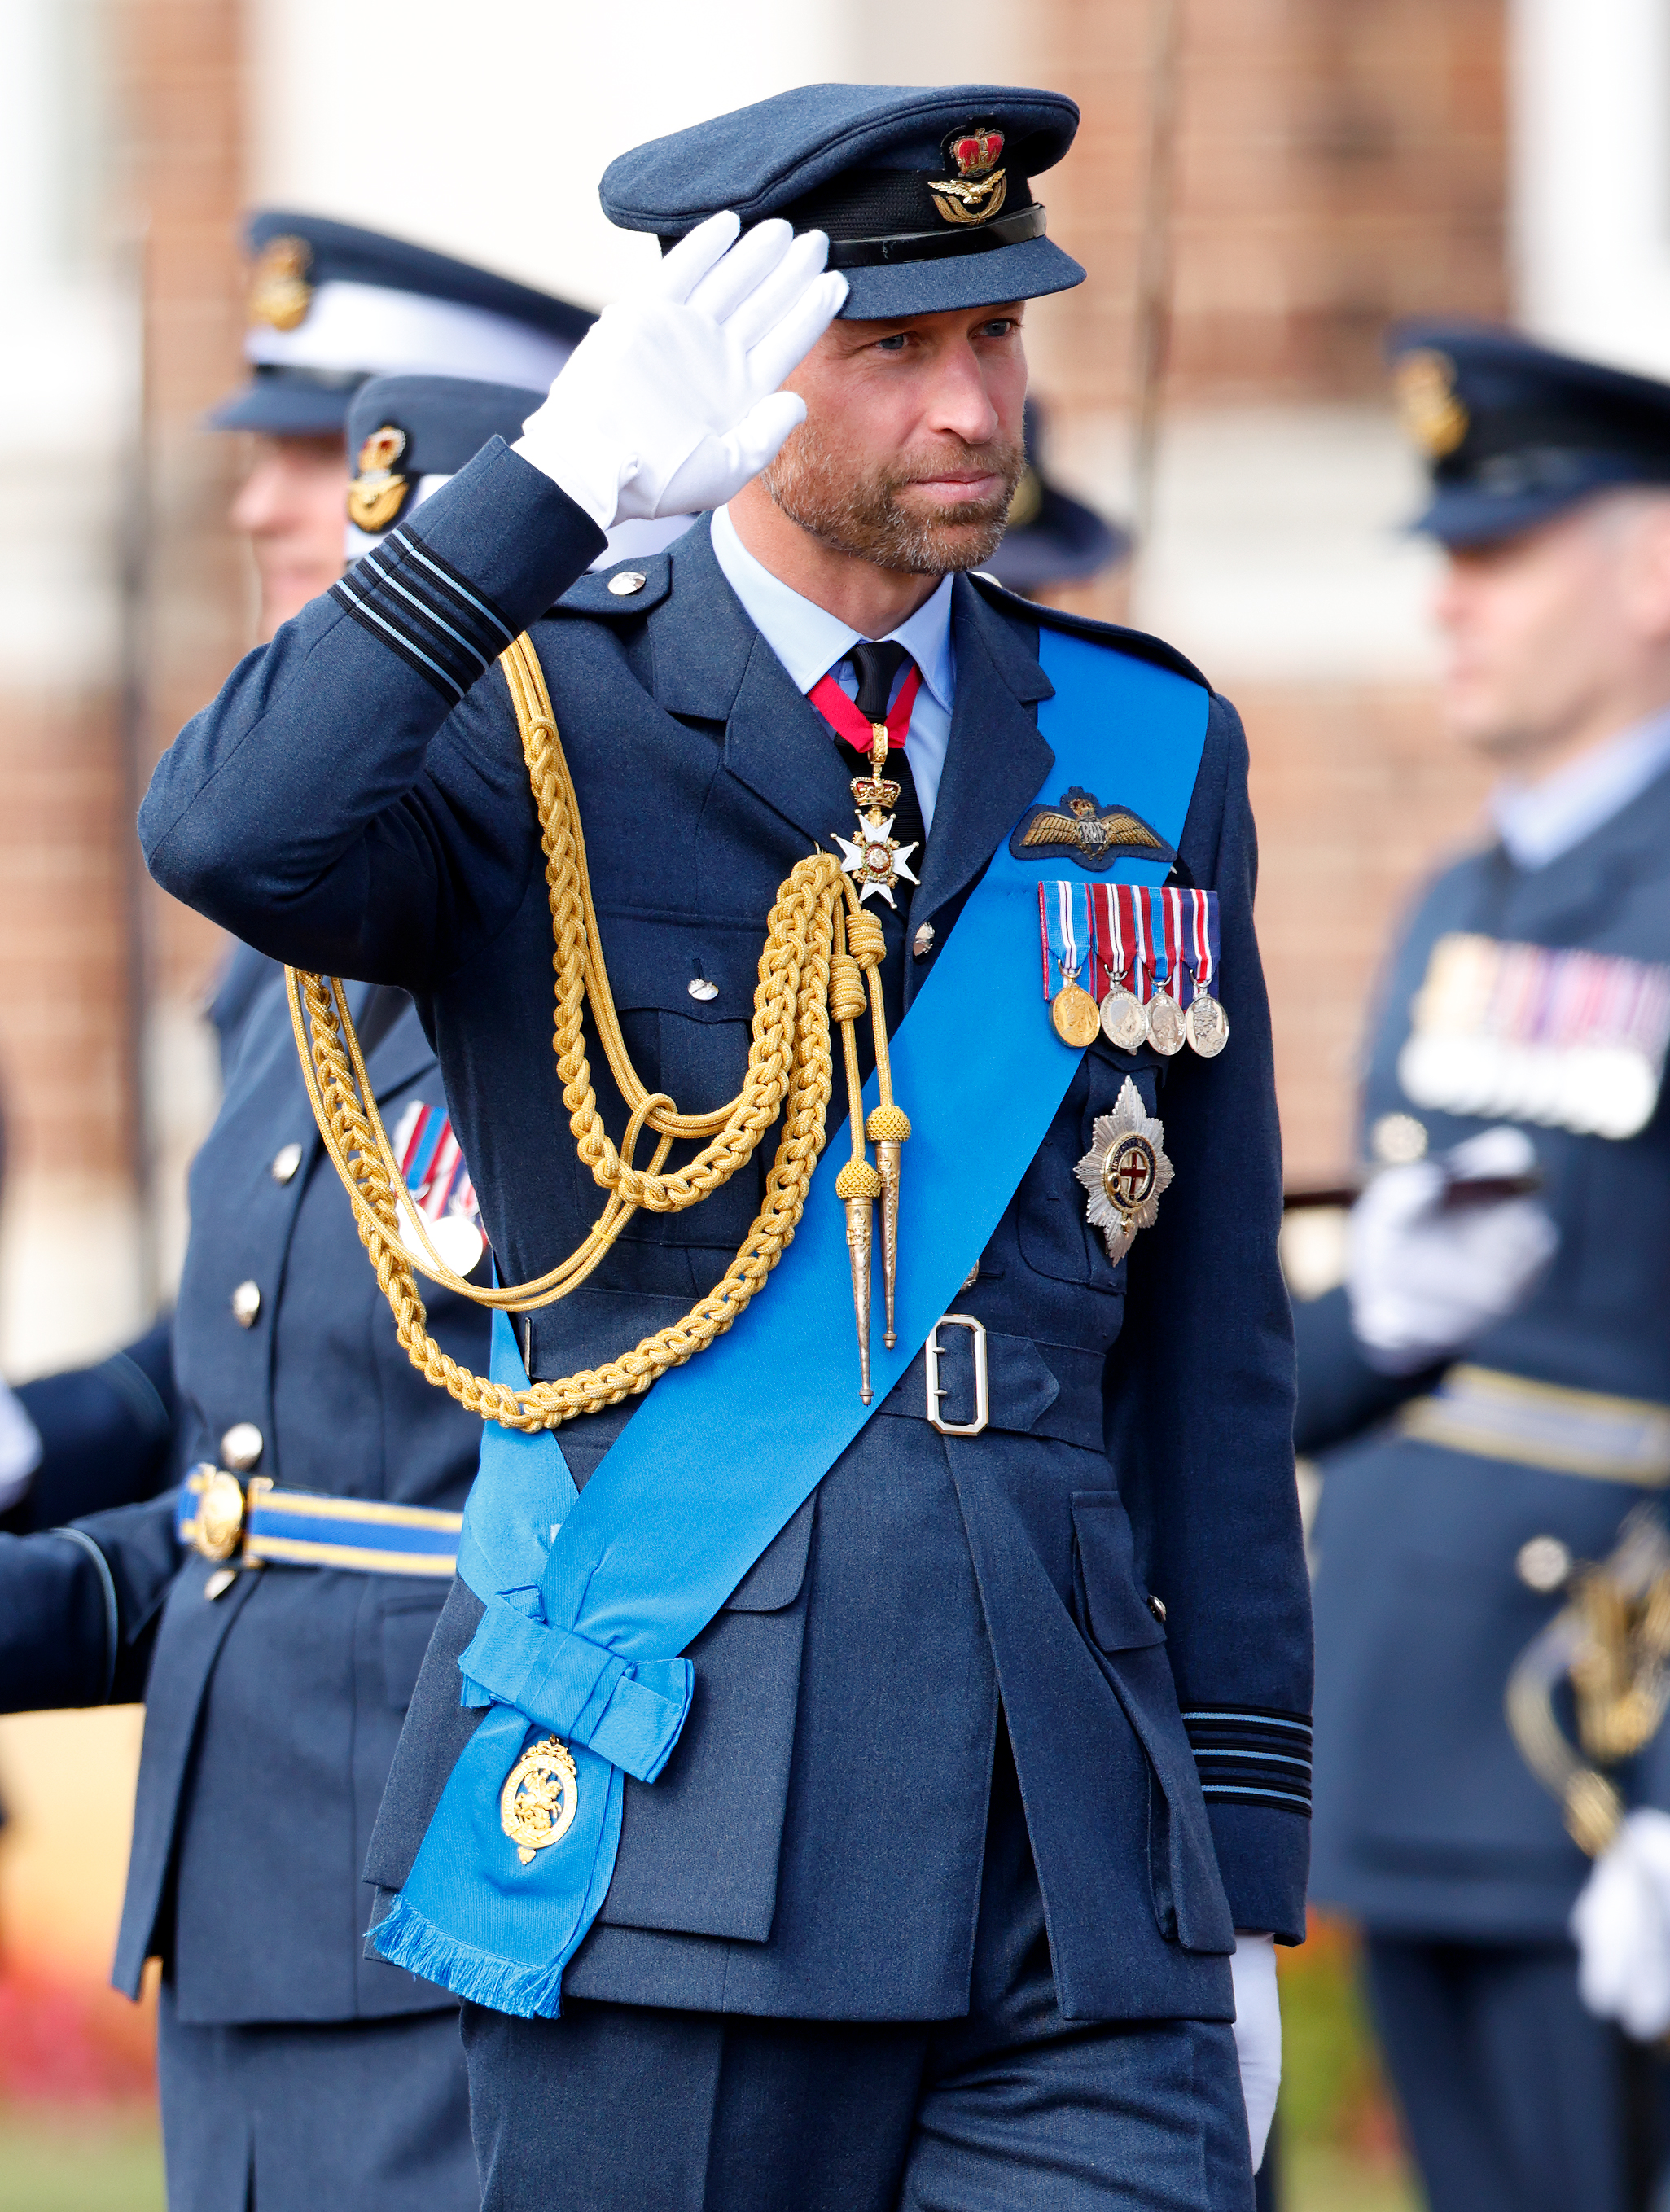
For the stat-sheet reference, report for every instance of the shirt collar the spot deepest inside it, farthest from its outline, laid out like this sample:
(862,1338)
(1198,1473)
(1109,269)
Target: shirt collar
(1538,822)
(810,640)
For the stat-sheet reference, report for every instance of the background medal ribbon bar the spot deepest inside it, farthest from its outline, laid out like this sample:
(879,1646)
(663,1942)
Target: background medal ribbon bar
(1526,1033)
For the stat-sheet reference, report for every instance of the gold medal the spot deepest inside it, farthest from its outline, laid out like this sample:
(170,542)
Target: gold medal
(537,1803)
(1124,1020)
(1125,1171)
(1207,1025)
(1075,1014)
(1165,1024)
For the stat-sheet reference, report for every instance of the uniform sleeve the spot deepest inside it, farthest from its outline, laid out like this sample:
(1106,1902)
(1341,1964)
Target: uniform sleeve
(1201,1406)
(1340,1394)
(300,811)
(79,1608)
(106,1434)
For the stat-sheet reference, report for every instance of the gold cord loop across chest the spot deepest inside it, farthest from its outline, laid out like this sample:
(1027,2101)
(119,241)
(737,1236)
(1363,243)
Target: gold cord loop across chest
(820,960)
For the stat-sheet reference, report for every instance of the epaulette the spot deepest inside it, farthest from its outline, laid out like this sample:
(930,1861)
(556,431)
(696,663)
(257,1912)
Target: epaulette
(1137,642)
(625,588)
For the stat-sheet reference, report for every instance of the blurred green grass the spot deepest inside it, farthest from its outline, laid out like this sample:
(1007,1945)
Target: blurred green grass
(79,2158)
(1341,2149)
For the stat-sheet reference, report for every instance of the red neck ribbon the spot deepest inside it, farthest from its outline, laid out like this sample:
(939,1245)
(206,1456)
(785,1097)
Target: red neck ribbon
(843,717)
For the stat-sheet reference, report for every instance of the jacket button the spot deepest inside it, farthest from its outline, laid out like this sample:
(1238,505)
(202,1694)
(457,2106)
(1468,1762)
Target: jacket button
(1156,1607)
(1542,1565)
(242,1446)
(922,944)
(247,1304)
(623,585)
(699,988)
(285,1162)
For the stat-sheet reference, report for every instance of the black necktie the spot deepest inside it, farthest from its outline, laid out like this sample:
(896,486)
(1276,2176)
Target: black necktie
(875,665)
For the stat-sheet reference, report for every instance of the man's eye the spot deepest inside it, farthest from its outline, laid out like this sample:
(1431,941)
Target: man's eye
(1000,328)
(893,345)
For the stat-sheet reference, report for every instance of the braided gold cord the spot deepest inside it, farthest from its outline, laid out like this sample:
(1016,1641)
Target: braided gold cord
(789,1072)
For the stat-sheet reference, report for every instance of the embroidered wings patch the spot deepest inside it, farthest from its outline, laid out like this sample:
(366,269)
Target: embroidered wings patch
(1080,829)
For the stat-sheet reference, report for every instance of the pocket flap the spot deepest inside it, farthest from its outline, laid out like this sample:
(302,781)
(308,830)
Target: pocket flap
(774,1578)
(1117,1613)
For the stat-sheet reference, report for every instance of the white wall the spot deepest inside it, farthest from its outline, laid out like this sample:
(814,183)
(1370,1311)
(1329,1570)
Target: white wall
(1590,91)
(483,131)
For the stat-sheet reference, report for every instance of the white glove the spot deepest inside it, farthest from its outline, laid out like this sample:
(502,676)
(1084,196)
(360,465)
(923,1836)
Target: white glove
(669,403)
(1621,1926)
(19,1449)
(1423,1279)
(1258,2034)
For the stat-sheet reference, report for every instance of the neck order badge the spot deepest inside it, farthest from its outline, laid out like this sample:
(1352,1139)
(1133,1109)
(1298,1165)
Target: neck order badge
(592,1598)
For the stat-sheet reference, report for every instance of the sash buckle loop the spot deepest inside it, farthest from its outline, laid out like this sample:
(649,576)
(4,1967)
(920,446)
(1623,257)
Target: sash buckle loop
(936,1391)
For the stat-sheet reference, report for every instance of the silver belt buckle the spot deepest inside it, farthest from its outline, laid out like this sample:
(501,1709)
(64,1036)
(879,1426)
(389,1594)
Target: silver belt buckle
(931,1367)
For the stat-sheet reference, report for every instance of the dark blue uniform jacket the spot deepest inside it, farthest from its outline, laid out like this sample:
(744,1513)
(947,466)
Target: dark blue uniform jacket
(356,801)
(271,1712)
(1428,1820)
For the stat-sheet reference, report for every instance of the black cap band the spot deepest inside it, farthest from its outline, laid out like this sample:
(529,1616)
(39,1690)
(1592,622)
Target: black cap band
(938,245)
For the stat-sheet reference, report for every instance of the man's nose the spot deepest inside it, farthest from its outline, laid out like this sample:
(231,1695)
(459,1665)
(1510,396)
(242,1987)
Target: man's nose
(961,403)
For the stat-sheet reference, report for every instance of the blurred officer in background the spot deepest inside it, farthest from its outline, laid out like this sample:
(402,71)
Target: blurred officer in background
(1052,538)
(293,2071)
(1490,1388)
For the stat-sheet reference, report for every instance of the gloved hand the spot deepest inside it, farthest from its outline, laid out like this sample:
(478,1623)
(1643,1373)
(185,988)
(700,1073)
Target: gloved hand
(669,403)
(1621,1926)
(1258,2034)
(1423,1279)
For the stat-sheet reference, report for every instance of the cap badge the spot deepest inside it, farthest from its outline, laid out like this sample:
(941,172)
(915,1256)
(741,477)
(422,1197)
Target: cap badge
(1079,828)
(976,192)
(279,293)
(377,495)
(1433,417)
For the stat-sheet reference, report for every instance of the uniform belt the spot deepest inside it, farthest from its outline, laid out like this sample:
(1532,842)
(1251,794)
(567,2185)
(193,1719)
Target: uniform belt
(1497,1416)
(219,1517)
(968,1378)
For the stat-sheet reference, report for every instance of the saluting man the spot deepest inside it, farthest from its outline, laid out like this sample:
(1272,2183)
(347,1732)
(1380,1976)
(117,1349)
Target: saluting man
(1489,1386)
(275,1650)
(865,1773)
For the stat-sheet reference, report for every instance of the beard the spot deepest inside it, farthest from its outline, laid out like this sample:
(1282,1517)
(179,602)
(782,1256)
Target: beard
(863,516)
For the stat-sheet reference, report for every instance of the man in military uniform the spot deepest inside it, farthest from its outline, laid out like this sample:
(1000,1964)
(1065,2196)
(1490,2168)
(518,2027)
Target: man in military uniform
(856,1792)
(1488,1389)
(293,2071)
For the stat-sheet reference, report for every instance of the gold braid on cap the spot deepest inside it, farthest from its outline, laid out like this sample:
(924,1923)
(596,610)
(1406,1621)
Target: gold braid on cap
(817,946)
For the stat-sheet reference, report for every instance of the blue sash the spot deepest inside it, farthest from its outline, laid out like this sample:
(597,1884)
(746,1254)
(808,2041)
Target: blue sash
(582,1636)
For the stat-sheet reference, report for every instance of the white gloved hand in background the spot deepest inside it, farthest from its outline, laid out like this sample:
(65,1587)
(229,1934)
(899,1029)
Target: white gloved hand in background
(669,404)
(1424,1278)
(1621,1926)
(1258,2034)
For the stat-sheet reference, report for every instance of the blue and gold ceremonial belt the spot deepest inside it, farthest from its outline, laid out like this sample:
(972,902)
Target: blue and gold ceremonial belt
(217,1516)
(1496,1416)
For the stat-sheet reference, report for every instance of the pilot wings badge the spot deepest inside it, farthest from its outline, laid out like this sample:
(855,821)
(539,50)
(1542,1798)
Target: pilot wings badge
(1080,829)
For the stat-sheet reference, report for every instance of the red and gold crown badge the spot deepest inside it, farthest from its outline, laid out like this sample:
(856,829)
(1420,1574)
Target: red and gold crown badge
(377,495)
(976,192)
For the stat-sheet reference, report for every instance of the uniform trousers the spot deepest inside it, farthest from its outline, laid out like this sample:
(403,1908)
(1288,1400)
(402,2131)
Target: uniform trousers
(613,2108)
(1516,2098)
(306,2116)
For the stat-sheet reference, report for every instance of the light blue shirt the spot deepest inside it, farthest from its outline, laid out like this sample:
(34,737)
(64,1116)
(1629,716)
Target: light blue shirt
(1538,822)
(811,642)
